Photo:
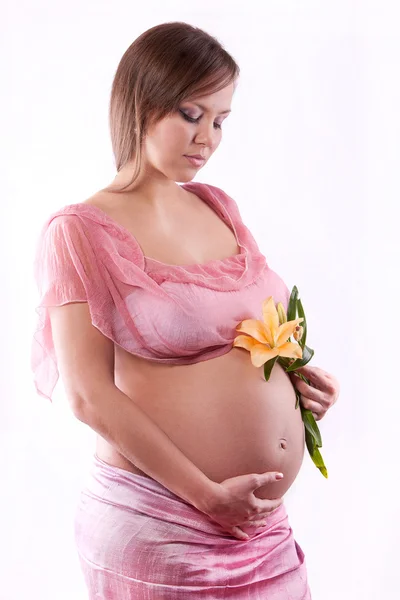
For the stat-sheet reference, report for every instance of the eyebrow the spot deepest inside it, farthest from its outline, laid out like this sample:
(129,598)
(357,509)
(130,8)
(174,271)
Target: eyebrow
(223,112)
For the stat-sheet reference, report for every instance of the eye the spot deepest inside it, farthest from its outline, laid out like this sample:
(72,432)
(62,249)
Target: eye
(191,120)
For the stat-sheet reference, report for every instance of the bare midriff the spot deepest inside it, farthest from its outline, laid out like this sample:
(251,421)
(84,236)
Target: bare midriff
(221,413)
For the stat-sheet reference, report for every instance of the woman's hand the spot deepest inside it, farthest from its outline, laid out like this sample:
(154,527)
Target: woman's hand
(233,503)
(323,392)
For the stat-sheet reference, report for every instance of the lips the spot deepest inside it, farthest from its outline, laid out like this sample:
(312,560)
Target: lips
(196,162)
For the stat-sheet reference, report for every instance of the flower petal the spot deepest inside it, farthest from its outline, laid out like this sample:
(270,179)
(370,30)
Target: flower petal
(270,315)
(268,335)
(244,341)
(260,354)
(286,330)
(290,350)
(254,328)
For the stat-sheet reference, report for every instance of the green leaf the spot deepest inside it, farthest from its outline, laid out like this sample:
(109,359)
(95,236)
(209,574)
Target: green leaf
(319,462)
(301,313)
(310,442)
(303,377)
(311,425)
(298,396)
(312,433)
(268,367)
(292,304)
(284,361)
(308,353)
(315,454)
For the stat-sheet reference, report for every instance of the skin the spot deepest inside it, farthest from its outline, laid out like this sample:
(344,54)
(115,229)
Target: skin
(323,392)
(165,145)
(191,402)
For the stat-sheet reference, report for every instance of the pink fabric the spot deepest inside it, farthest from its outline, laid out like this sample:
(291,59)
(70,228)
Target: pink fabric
(137,540)
(176,314)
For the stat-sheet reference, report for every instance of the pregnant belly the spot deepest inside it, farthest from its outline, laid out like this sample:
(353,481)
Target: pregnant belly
(222,414)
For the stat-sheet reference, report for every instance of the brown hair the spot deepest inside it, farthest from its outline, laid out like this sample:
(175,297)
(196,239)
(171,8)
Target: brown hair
(165,65)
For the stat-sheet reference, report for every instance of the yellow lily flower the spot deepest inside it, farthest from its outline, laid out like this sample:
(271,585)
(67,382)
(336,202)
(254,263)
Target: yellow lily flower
(268,338)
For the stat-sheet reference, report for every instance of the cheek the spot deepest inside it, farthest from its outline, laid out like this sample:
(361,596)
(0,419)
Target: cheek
(175,138)
(163,145)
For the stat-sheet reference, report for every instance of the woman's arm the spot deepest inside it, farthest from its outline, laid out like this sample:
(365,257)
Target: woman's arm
(113,415)
(86,363)
(85,360)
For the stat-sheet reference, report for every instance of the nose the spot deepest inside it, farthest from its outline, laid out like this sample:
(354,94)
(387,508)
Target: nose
(206,134)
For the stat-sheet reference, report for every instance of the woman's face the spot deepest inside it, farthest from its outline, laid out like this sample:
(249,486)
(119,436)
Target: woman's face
(191,130)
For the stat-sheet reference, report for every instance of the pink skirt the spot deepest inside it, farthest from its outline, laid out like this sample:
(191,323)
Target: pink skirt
(137,540)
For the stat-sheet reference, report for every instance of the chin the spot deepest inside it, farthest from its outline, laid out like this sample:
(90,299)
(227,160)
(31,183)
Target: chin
(186,179)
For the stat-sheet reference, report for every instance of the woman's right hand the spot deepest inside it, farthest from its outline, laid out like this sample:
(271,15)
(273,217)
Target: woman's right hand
(233,503)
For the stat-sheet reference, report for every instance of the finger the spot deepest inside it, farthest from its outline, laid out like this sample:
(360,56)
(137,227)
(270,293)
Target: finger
(261,517)
(260,479)
(315,407)
(315,400)
(239,533)
(312,373)
(307,391)
(312,370)
(267,506)
(318,378)
(258,523)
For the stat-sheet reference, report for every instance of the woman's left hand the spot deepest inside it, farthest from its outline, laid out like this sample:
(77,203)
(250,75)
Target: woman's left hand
(321,395)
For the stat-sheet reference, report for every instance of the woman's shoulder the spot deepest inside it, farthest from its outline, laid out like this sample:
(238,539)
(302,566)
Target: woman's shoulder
(103,200)
(216,192)
(84,214)
(227,201)
(84,222)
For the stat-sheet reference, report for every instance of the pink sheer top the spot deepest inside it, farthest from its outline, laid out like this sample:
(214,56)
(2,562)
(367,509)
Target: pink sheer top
(172,314)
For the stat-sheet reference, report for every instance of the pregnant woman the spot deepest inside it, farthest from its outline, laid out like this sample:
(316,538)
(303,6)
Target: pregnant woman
(141,288)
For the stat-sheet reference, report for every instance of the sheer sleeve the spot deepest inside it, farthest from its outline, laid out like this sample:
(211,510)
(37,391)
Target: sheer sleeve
(65,270)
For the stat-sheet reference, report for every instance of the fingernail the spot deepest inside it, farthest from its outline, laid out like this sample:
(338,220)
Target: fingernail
(279,475)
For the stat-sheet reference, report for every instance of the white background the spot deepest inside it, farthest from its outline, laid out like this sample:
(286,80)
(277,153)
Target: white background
(311,155)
